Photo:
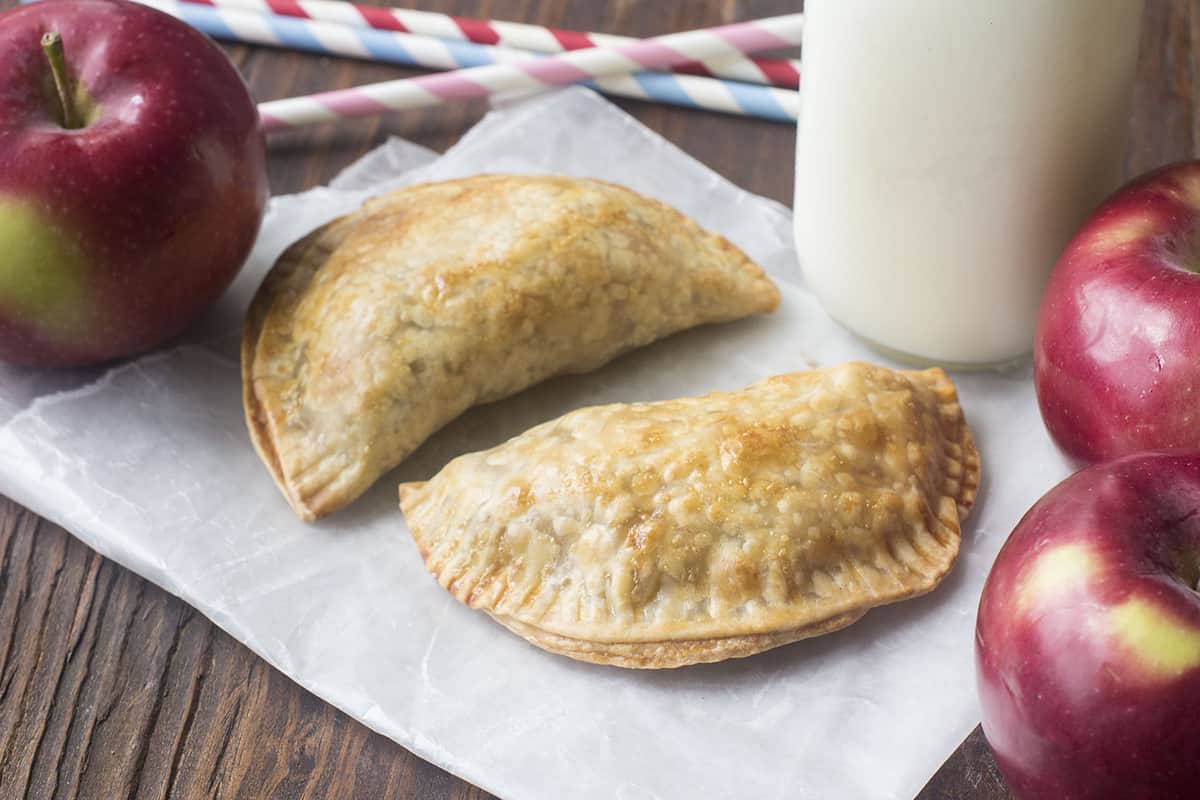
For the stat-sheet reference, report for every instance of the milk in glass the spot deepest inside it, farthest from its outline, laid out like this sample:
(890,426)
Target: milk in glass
(947,151)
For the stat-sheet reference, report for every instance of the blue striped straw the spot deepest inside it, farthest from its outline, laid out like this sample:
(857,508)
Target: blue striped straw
(328,38)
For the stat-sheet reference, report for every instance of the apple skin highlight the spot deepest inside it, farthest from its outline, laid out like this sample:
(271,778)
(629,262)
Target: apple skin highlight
(1117,348)
(158,197)
(1087,641)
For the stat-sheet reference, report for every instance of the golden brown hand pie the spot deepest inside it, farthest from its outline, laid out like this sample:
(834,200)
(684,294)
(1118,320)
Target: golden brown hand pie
(377,329)
(662,534)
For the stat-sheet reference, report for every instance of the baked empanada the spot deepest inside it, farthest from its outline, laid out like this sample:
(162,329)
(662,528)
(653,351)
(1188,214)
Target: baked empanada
(663,534)
(377,329)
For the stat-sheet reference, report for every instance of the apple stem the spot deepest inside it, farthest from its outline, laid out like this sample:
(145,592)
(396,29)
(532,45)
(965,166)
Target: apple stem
(52,46)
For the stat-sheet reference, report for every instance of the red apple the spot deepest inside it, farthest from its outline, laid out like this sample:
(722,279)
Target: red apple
(121,223)
(1087,642)
(1117,350)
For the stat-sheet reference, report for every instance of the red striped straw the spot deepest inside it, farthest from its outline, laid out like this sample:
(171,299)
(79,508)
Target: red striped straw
(536,73)
(780,72)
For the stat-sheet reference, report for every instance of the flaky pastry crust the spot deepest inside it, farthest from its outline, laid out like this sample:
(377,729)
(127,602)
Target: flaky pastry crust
(662,534)
(377,329)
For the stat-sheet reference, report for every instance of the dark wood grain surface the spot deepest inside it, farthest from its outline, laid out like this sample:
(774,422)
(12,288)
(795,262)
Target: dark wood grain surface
(111,688)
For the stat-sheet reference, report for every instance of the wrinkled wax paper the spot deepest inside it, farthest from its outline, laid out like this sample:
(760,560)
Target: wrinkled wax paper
(150,464)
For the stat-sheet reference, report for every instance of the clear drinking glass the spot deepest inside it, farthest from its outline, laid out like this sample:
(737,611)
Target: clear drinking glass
(947,151)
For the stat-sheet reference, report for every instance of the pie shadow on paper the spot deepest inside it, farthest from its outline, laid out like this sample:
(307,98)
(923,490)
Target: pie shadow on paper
(694,362)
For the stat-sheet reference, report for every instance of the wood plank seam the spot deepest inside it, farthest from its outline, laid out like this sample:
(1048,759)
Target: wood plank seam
(197,688)
(106,576)
(27,699)
(43,738)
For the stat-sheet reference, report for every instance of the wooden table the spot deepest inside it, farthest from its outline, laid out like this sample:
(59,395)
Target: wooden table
(110,687)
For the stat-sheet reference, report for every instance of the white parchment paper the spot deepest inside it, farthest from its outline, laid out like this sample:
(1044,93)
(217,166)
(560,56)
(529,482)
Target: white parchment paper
(149,463)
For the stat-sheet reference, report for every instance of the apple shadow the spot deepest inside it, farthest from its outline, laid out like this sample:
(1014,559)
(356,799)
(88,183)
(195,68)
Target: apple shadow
(20,387)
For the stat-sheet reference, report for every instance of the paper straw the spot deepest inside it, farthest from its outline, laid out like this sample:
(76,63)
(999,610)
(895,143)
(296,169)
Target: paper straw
(531,74)
(780,72)
(731,97)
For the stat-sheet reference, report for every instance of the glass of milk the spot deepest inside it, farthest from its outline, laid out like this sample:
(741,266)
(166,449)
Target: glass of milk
(947,151)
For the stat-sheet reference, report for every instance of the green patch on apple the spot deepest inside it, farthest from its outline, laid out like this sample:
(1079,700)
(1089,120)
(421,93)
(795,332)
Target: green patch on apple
(42,273)
(1058,571)
(1161,645)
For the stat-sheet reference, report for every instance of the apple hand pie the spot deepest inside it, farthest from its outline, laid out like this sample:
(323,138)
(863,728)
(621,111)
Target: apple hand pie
(662,534)
(377,329)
